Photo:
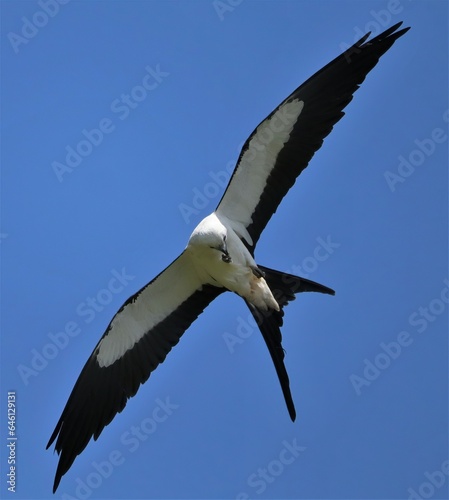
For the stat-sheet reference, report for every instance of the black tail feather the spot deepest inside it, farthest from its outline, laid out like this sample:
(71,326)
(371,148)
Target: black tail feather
(284,286)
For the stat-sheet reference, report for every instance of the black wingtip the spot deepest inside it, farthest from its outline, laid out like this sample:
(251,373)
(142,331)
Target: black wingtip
(394,28)
(390,31)
(50,442)
(391,34)
(58,477)
(379,44)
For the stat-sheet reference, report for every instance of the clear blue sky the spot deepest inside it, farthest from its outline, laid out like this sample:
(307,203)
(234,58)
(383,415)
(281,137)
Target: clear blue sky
(373,202)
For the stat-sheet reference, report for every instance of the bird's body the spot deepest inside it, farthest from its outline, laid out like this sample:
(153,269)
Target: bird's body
(219,256)
(221,259)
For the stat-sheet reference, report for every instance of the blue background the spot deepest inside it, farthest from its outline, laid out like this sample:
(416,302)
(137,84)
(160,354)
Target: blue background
(224,69)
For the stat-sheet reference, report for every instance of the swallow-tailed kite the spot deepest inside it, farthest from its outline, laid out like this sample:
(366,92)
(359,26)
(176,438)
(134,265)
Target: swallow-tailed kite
(219,256)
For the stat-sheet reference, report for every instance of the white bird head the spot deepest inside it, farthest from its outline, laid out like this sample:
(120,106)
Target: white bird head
(210,233)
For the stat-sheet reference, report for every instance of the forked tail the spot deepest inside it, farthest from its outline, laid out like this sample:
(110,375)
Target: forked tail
(284,286)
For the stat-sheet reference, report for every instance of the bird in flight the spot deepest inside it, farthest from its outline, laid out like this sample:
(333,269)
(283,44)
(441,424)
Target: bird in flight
(219,256)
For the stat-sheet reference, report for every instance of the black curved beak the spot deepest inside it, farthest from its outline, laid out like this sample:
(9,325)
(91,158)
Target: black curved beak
(225,254)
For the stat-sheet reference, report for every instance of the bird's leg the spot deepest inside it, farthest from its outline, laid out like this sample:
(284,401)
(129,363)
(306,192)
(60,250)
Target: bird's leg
(257,272)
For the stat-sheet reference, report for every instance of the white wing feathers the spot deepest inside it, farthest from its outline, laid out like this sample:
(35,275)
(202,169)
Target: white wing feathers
(256,163)
(151,305)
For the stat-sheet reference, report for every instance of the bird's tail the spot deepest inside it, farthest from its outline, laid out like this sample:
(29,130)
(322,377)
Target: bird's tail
(284,287)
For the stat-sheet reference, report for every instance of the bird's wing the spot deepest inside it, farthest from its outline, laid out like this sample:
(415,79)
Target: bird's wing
(136,341)
(280,148)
